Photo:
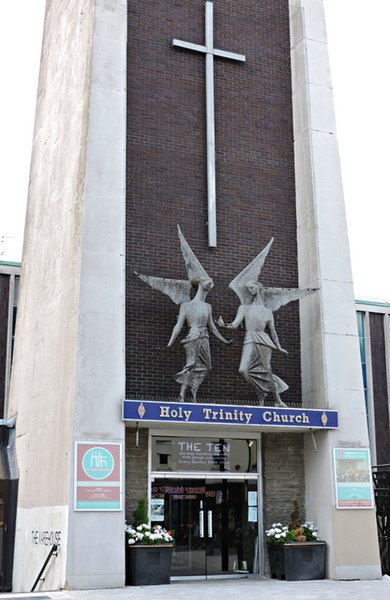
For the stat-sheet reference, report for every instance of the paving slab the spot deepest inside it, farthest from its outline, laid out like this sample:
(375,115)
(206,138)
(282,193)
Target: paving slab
(252,588)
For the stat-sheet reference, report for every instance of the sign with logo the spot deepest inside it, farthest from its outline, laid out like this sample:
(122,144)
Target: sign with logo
(229,414)
(353,478)
(98,480)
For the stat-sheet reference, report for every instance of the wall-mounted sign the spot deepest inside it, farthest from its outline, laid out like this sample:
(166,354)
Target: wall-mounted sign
(229,414)
(206,454)
(353,478)
(157,509)
(252,507)
(98,480)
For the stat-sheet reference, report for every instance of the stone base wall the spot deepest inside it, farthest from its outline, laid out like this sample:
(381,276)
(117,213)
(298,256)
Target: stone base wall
(283,476)
(136,479)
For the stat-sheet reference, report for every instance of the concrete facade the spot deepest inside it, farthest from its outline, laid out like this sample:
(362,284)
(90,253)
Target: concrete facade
(331,374)
(72,296)
(69,367)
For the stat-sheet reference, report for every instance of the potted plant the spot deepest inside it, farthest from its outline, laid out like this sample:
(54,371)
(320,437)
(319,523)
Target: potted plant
(148,551)
(295,551)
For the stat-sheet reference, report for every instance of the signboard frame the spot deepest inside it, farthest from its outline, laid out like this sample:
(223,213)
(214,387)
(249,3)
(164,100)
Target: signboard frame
(353,487)
(233,415)
(100,489)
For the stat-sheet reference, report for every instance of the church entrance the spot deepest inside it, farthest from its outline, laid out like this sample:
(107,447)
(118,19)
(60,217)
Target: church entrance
(214,523)
(212,512)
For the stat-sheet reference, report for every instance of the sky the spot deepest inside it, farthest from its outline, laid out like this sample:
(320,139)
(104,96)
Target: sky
(359,51)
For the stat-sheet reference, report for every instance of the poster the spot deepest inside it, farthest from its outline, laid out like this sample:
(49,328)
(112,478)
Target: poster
(98,476)
(252,507)
(157,509)
(252,514)
(353,482)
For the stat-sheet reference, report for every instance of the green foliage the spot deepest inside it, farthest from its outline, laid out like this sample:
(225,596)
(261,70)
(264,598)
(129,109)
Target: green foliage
(295,531)
(281,534)
(140,515)
(145,535)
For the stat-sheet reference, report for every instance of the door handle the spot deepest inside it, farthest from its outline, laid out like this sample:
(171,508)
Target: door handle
(201,524)
(210,523)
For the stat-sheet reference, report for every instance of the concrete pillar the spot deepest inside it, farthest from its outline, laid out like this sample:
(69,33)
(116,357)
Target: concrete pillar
(68,373)
(331,371)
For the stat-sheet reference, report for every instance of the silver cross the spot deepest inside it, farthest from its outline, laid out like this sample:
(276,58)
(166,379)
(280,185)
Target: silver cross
(209,50)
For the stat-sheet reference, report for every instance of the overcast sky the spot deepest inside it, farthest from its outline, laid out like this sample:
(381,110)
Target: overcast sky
(359,48)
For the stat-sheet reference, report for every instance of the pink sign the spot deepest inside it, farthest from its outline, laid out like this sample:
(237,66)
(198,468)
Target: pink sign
(98,481)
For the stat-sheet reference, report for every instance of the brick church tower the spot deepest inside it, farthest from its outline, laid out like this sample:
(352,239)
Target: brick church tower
(216,117)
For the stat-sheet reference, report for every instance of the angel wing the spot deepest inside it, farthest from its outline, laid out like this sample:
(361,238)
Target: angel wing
(250,273)
(178,290)
(194,268)
(274,298)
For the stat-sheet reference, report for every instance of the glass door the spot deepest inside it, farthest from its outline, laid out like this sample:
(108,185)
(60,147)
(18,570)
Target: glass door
(179,505)
(231,527)
(214,523)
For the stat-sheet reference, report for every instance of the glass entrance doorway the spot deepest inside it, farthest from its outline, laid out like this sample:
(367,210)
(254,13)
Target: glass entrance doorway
(214,521)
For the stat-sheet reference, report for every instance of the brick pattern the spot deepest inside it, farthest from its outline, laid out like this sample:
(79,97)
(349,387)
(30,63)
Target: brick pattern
(379,380)
(136,486)
(283,479)
(166,182)
(4,302)
(283,476)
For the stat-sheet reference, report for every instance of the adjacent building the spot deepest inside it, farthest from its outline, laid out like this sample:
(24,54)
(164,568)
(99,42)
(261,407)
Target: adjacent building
(373,328)
(9,291)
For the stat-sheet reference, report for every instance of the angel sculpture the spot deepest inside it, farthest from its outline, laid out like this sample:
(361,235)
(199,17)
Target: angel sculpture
(258,303)
(198,316)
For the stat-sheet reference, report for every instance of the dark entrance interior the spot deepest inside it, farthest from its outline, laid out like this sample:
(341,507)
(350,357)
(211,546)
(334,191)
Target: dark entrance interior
(214,521)
(8,504)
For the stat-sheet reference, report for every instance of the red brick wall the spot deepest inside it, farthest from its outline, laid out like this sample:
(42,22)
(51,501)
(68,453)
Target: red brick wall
(4,301)
(166,180)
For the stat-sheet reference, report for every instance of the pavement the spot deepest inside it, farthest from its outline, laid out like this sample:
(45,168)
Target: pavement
(252,588)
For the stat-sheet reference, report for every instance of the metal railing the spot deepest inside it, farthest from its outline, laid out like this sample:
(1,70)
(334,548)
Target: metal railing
(53,552)
(381,480)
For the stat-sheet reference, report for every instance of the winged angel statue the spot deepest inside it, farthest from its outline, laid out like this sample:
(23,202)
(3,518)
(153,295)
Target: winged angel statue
(196,313)
(258,303)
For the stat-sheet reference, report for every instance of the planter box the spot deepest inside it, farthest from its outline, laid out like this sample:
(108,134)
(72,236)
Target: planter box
(148,564)
(297,561)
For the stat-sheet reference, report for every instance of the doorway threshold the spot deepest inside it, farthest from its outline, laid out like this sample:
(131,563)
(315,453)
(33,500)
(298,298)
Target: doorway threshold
(208,577)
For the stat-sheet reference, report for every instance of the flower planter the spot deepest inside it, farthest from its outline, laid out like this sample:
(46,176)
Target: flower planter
(148,564)
(297,561)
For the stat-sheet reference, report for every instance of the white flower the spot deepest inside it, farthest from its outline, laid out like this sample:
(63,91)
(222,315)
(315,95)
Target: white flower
(145,534)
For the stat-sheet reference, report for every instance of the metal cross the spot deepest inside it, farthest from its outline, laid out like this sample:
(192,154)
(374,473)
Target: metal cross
(209,50)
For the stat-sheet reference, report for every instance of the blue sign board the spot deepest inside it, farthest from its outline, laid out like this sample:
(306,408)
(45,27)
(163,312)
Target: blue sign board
(228,414)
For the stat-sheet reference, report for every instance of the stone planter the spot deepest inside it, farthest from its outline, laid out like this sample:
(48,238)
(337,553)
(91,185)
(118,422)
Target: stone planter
(148,564)
(297,561)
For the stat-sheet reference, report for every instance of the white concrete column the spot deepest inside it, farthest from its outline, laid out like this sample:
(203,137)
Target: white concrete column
(68,376)
(96,548)
(331,370)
